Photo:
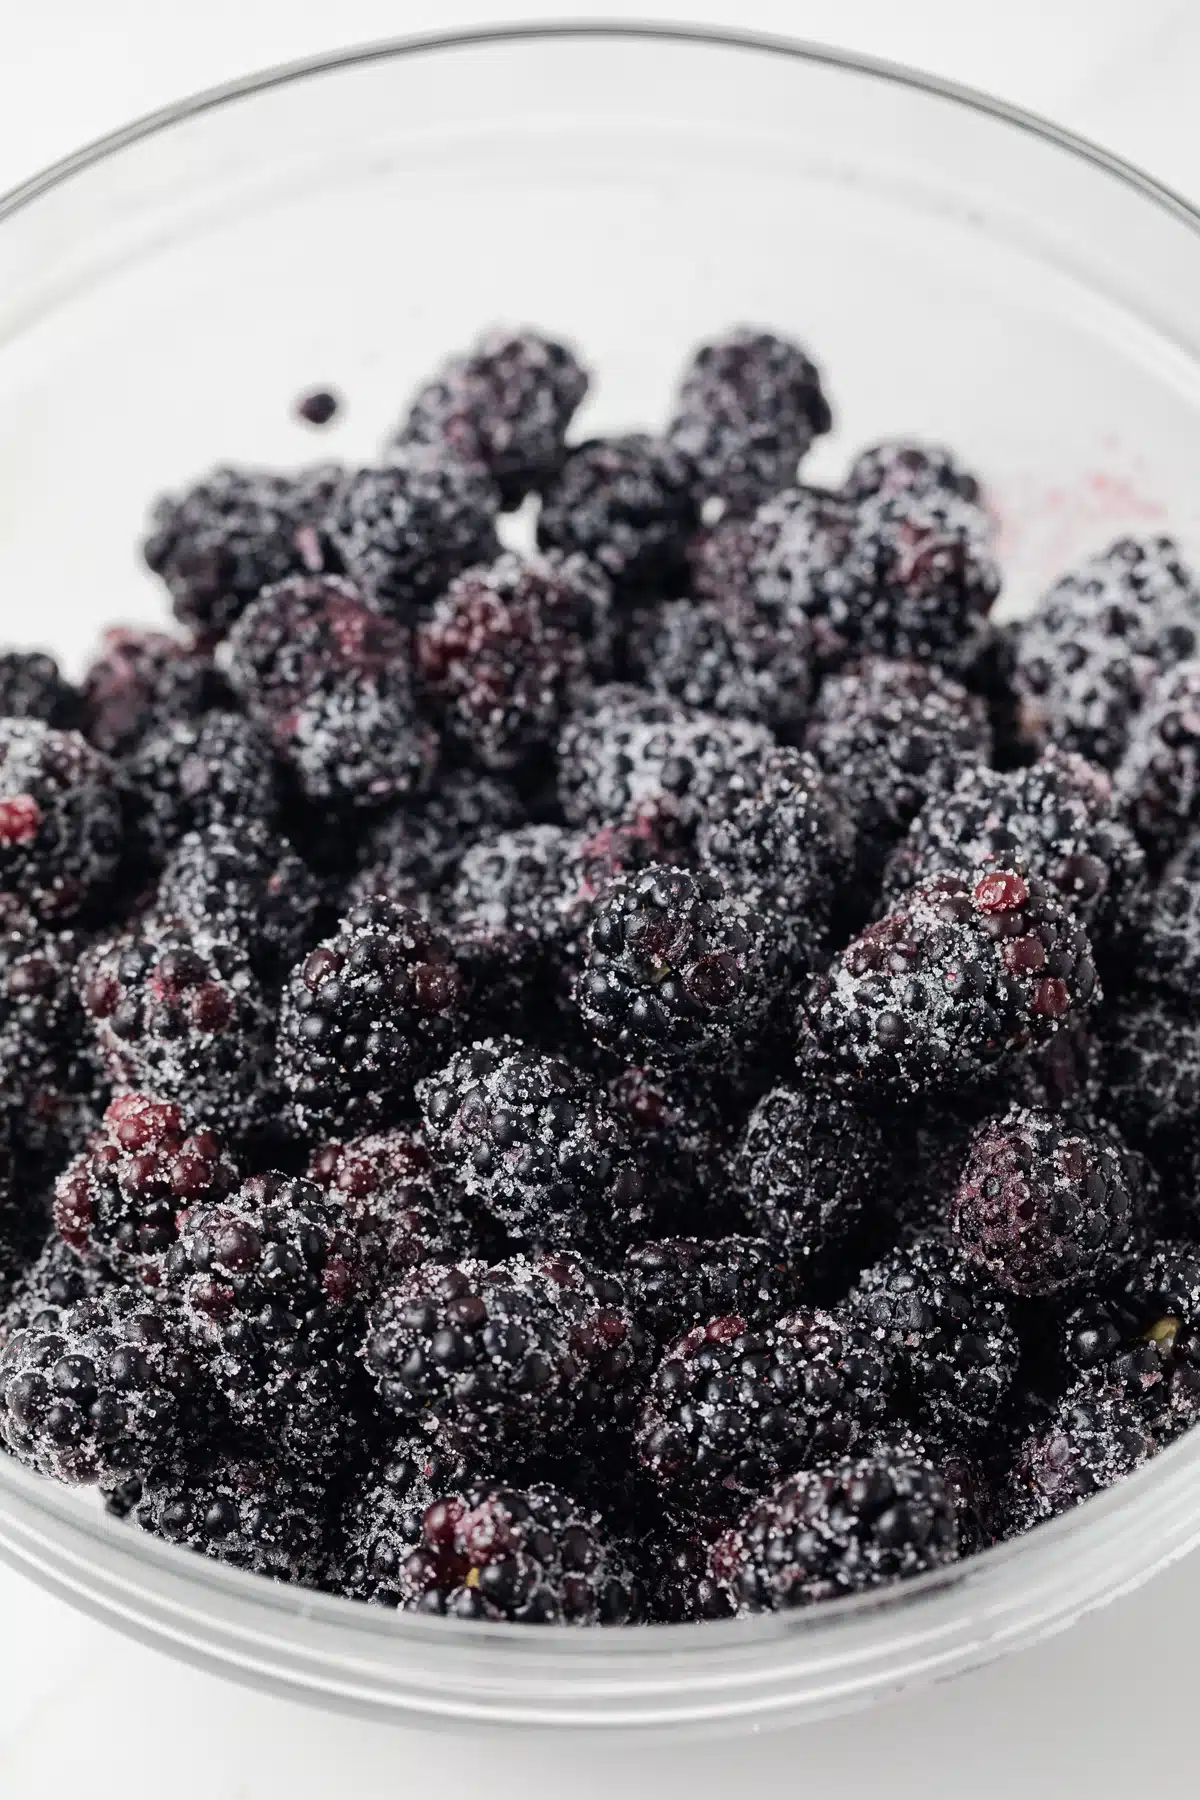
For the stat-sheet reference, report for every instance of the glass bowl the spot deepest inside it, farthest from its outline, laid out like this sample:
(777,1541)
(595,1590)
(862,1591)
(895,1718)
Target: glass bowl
(961,270)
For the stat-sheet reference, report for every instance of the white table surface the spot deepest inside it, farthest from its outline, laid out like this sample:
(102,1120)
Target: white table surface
(1099,1711)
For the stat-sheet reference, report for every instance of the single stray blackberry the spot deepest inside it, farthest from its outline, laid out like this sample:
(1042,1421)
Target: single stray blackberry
(748,408)
(677,1284)
(138,684)
(363,1014)
(626,503)
(951,1335)
(843,1529)
(406,528)
(678,970)
(506,404)
(33,687)
(1095,1436)
(943,991)
(239,1504)
(60,819)
(1046,1203)
(907,466)
(534,1140)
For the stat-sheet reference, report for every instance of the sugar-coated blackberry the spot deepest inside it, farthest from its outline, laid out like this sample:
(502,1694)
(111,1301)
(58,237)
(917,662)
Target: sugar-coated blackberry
(677,1284)
(506,403)
(1158,782)
(789,565)
(748,408)
(844,1529)
(680,1589)
(626,754)
(40,1026)
(404,529)
(60,819)
(330,682)
(505,653)
(381,1519)
(57,1279)
(33,687)
(811,1169)
(1055,819)
(679,970)
(176,1011)
(139,683)
(895,734)
(605,1335)
(402,1211)
(908,466)
(1046,1203)
(1089,653)
(731,1408)
(223,540)
(270,1282)
(1142,1332)
(251,886)
(627,503)
(951,1335)
(719,561)
(1150,1083)
(1167,950)
(241,1505)
(121,1197)
(532,1556)
(1096,1435)
(102,1390)
(780,837)
(939,994)
(413,852)
(732,658)
(681,1136)
(363,1014)
(534,1140)
(213,771)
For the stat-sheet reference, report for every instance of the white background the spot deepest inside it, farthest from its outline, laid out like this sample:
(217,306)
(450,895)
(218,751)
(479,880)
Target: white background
(1100,1712)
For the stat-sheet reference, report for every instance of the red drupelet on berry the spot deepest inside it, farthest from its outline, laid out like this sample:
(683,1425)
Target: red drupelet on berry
(626,503)
(403,1211)
(381,1521)
(60,819)
(405,529)
(140,683)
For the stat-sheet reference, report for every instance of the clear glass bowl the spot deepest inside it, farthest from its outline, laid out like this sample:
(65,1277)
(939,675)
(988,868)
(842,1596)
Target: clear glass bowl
(961,270)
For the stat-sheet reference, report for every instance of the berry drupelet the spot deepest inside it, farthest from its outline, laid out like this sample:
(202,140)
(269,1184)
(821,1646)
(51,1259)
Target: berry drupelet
(628,504)
(121,1197)
(679,971)
(139,683)
(32,686)
(60,819)
(1047,1203)
(365,1013)
(218,544)
(505,404)
(747,410)
(535,1141)
(938,995)
(240,1505)
(249,885)
(677,1284)
(404,529)
(843,1529)
(507,650)
(908,466)
(214,771)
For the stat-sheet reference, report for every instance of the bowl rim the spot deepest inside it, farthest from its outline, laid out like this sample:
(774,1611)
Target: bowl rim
(143,1585)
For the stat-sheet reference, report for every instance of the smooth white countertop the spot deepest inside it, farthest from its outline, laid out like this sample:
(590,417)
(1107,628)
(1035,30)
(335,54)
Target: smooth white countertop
(87,1714)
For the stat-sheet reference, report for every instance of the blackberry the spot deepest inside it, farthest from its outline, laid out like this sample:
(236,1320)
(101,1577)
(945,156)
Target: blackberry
(951,1335)
(176,1011)
(33,687)
(678,1581)
(1095,1436)
(362,1015)
(825,1533)
(270,1281)
(413,853)
(679,970)
(330,682)
(1142,1332)
(317,407)
(677,1284)
(896,735)
(732,659)
(240,1505)
(1088,655)
(732,1409)
(906,466)
(1150,1082)
(626,503)
(403,530)
(794,553)
(1158,782)
(56,1280)
(534,1141)
(748,408)
(40,1025)
(532,1556)
(506,404)
(401,1211)
(1055,819)
(100,1391)
(626,755)
(507,651)
(60,819)
(381,1520)
(138,684)
(485,1351)
(250,886)
(121,1197)
(779,837)
(223,540)
(1046,1204)
(1167,953)
(810,1168)
(605,1336)
(941,993)
(214,771)
(680,1137)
